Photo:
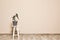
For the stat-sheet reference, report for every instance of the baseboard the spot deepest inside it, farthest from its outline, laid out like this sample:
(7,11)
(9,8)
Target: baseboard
(32,34)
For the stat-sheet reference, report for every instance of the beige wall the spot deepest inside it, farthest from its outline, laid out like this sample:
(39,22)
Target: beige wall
(36,16)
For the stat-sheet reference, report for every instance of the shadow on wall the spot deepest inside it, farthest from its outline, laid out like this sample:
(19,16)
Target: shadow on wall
(11,28)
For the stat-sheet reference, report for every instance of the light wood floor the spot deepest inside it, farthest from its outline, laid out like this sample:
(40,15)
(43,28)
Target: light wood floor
(32,37)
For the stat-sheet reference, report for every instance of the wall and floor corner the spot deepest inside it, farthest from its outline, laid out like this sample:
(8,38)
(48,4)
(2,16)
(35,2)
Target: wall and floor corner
(36,16)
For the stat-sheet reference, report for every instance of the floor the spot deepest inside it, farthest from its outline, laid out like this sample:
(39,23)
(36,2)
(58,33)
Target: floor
(32,37)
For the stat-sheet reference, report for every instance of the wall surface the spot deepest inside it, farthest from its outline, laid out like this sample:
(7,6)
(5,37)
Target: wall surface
(36,16)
